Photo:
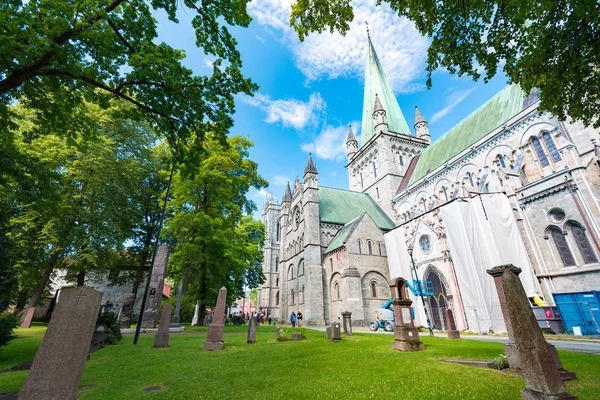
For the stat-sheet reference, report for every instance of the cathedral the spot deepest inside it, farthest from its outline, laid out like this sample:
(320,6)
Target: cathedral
(507,184)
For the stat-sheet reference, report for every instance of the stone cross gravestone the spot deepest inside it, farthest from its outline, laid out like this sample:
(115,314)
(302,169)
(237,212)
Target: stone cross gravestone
(347,317)
(252,331)
(157,281)
(127,310)
(59,361)
(28,317)
(161,339)
(452,331)
(215,329)
(406,336)
(541,375)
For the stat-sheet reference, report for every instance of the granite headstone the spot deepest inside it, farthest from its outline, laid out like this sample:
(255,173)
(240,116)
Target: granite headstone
(347,319)
(59,361)
(215,329)
(127,310)
(452,331)
(157,281)
(406,336)
(28,317)
(161,339)
(336,334)
(252,331)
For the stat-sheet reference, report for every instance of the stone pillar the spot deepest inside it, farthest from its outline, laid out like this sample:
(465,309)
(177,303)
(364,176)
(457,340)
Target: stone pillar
(161,339)
(28,317)
(336,335)
(406,336)
(156,286)
(59,361)
(541,375)
(352,298)
(215,329)
(252,331)
(452,331)
(347,317)
(127,310)
(175,320)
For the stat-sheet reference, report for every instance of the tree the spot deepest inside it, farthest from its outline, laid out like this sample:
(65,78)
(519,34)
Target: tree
(213,239)
(552,46)
(55,54)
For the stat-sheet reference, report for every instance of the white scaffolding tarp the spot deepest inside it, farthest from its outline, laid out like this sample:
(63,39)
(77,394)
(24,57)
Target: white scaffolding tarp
(482,233)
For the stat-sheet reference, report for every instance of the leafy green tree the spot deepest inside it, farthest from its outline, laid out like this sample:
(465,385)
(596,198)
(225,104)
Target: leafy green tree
(553,46)
(214,241)
(56,54)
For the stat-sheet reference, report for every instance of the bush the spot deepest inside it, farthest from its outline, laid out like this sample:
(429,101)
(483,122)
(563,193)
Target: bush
(186,311)
(112,327)
(8,322)
(238,320)
(501,362)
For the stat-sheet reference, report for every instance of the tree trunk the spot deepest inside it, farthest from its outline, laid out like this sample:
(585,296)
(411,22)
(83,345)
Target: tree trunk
(140,272)
(203,293)
(39,289)
(187,275)
(80,278)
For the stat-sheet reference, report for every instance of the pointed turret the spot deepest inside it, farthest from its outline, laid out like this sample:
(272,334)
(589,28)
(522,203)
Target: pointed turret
(351,145)
(421,126)
(376,83)
(311,176)
(380,123)
(310,166)
(287,197)
(297,186)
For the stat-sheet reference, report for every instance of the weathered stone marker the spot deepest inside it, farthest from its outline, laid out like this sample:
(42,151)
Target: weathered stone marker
(328,332)
(252,331)
(59,361)
(157,281)
(297,336)
(28,317)
(541,375)
(347,317)
(452,331)
(406,336)
(127,310)
(277,331)
(336,334)
(215,329)
(176,317)
(161,339)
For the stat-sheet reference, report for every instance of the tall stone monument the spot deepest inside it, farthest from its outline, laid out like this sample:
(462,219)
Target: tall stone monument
(252,331)
(215,329)
(541,375)
(406,336)
(157,281)
(176,317)
(161,339)
(452,331)
(127,310)
(59,361)
(347,317)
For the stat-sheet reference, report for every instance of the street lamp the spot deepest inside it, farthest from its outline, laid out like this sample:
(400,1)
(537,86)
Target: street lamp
(414,269)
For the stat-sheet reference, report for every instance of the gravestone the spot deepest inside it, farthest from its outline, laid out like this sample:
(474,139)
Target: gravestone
(297,336)
(176,317)
(127,310)
(157,281)
(196,315)
(347,317)
(541,375)
(277,331)
(161,339)
(406,336)
(252,331)
(215,329)
(510,348)
(328,332)
(452,331)
(336,334)
(59,361)
(28,317)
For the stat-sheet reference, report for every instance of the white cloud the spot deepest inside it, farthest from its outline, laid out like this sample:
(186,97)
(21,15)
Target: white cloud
(453,100)
(261,193)
(280,180)
(290,112)
(401,49)
(330,143)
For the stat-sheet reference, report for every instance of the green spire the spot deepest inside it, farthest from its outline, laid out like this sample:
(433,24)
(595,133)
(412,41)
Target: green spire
(376,83)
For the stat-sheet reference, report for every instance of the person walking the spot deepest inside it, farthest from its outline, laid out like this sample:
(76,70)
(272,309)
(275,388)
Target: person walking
(293,319)
(299,319)
(270,319)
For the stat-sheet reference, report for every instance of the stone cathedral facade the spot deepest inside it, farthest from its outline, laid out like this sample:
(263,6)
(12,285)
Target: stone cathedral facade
(325,251)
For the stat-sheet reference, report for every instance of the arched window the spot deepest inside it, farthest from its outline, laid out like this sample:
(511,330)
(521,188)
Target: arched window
(523,176)
(444,193)
(302,295)
(370,247)
(586,251)
(331,263)
(291,273)
(501,161)
(554,154)
(359,248)
(276,264)
(379,244)
(539,151)
(278,229)
(277,282)
(424,204)
(277,298)
(400,160)
(374,170)
(374,290)
(336,287)
(292,297)
(301,268)
(563,248)
(470,176)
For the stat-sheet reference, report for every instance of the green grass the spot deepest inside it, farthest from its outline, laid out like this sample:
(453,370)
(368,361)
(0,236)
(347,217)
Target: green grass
(362,366)
(37,328)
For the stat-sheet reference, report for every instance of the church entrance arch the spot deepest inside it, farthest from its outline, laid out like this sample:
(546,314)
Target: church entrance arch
(438,303)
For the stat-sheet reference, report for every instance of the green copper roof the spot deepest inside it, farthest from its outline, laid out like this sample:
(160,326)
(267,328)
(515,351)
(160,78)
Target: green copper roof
(376,83)
(339,206)
(341,236)
(492,114)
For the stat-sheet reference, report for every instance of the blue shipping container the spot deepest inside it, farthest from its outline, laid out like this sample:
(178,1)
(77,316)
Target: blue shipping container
(579,309)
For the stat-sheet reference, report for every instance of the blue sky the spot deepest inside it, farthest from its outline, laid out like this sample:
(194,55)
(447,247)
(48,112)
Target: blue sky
(310,92)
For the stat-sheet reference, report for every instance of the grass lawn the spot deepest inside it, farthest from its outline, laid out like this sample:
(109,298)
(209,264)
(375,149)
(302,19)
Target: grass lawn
(361,366)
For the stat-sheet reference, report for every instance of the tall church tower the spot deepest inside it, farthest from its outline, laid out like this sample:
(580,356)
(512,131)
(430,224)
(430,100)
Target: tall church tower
(268,296)
(387,145)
